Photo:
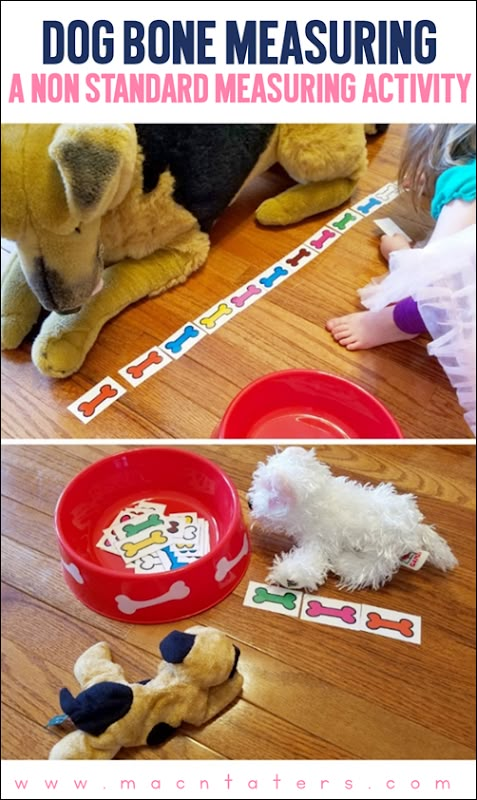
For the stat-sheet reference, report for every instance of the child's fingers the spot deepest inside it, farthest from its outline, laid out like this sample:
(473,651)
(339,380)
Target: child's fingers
(391,237)
(391,242)
(387,244)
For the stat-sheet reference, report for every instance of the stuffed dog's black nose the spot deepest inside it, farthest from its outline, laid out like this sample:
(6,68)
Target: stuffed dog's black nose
(250,504)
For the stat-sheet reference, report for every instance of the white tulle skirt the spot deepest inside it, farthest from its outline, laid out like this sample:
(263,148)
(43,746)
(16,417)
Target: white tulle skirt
(441,279)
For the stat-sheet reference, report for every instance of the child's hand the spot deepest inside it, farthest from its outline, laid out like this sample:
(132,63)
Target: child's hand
(388,244)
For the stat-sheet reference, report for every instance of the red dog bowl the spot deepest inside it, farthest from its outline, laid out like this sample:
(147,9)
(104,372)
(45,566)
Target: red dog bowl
(183,482)
(305,404)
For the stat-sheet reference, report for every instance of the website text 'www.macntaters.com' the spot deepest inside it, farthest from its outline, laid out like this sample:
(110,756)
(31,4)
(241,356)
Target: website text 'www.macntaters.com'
(204,786)
(230,780)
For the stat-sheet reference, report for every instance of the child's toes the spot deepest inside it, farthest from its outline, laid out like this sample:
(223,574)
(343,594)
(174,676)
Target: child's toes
(342,332)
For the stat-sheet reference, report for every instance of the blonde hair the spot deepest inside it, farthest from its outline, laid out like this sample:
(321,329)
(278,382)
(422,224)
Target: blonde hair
(428,151)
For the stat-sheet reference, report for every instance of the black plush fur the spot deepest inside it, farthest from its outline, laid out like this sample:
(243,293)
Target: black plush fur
(98,707)
(201,156)
(159,734)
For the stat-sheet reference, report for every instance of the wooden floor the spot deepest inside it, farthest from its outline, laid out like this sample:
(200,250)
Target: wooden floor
(311,691)
(283,330)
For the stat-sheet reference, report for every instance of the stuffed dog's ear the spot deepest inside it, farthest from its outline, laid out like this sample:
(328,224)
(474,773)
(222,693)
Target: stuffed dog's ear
(282,493)
(95,709)
(96,163)
(176,646)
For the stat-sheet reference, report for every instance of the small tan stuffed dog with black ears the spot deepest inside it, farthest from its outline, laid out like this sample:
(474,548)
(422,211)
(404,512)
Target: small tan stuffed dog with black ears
(196,680)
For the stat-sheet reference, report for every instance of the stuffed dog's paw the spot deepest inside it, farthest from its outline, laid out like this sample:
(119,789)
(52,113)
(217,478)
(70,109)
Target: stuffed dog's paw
(290,576)
(60,349)
(20,308)
(295,570)
(303,201)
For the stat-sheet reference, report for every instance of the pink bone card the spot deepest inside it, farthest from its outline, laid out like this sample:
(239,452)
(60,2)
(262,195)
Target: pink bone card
(323,238)
(245,296)
(328,611)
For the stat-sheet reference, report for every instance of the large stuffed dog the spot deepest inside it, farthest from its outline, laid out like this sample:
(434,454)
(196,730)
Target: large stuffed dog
(140,200)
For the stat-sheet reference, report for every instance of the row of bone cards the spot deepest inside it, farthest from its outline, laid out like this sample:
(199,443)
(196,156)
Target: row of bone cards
(103,394)
(149,540)
(333,612)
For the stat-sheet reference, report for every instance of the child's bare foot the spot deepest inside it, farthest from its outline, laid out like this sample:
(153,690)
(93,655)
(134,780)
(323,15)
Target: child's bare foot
(366,329)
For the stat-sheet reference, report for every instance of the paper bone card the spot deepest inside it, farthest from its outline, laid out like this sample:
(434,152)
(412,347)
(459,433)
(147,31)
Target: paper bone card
(327,611)
(148,539)
(273,598)
(392,624)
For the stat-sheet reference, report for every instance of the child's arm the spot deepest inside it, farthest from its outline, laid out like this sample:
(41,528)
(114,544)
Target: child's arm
(454,217)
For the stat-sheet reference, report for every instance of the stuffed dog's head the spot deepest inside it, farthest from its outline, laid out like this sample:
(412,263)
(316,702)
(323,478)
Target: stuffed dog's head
(207,656)
(58,181)
(282,485)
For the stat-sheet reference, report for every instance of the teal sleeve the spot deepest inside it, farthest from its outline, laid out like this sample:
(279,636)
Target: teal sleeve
(456,183)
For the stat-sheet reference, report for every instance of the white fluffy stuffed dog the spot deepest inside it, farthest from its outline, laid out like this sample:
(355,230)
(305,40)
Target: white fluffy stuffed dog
(359,532)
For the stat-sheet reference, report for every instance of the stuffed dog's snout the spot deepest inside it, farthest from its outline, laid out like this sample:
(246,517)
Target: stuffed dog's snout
(53,292)
(47,285)
(57,292)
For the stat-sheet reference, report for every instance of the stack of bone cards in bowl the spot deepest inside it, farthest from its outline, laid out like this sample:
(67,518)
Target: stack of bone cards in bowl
(149,540)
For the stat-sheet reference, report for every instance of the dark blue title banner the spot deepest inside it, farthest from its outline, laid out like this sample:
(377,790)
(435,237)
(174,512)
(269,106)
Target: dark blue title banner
(264,42)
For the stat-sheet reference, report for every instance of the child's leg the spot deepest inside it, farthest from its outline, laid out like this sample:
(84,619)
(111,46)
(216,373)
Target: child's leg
(367,329)
(407,317)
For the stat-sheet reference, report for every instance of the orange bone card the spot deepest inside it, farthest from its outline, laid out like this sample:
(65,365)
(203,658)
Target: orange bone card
(96,399)
(393,624)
